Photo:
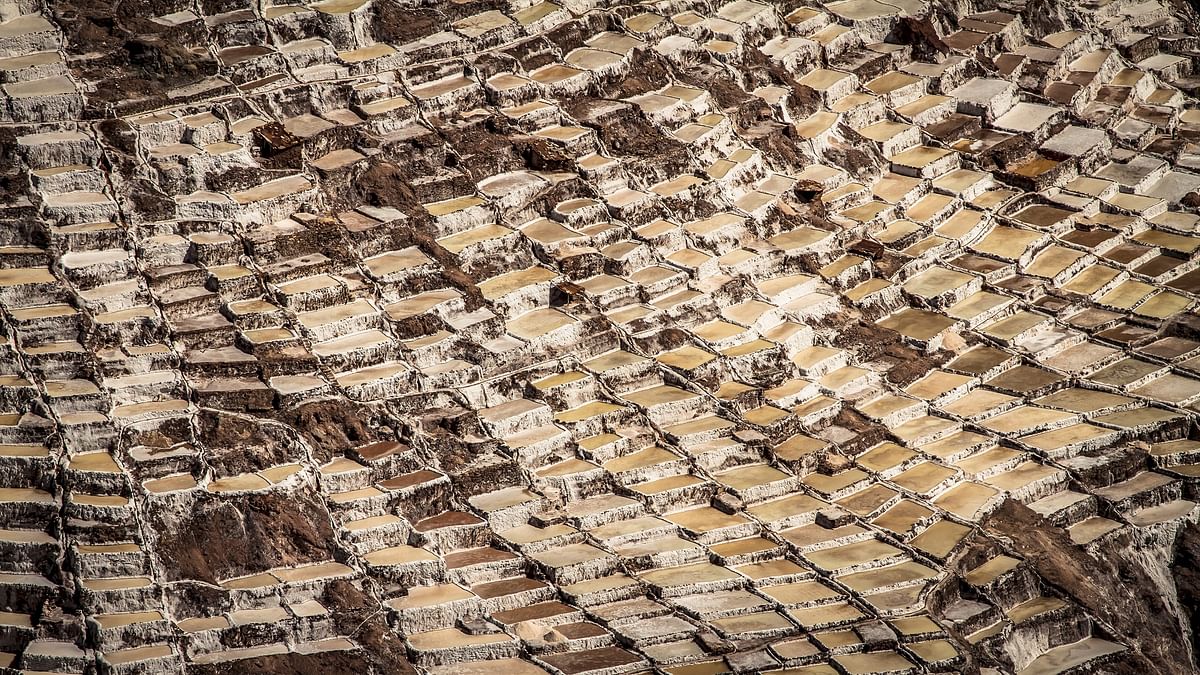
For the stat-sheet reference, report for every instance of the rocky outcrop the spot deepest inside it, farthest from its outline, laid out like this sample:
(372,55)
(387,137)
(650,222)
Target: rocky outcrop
(1126,583)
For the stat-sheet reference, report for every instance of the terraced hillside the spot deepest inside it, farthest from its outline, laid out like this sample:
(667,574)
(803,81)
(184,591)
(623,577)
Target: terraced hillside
(683,337)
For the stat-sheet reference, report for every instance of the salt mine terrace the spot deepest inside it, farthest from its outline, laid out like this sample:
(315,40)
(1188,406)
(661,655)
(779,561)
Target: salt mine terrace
(576,338)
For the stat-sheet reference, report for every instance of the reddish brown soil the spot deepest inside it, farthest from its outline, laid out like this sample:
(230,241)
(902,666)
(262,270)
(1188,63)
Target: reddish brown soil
(357,616)
(852,159)
(869,433)
(876,343)
(235,445)
(484,146)
(1116,590)
(385,184)
(922,36)
(331,427)
(234,536)
(139,60)
(395,24)
(321,663)
(910,365)
(165,435)
(649,75)
(574,34)
(623,130)
(233,178)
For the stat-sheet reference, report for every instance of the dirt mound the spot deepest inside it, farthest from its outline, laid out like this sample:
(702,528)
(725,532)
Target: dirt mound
(331,427)
(622,129)
(876,343)
(235,536)
(236,445)
(136,60)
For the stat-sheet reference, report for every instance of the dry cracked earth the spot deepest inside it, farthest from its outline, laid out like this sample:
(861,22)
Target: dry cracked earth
(566,338)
